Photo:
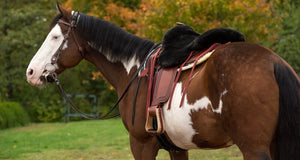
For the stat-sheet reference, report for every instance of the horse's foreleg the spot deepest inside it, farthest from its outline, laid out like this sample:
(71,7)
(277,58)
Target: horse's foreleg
(256,155)
(179,155)
(146,149)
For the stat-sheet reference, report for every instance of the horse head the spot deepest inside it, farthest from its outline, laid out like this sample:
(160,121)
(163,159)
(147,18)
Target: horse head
(59,51)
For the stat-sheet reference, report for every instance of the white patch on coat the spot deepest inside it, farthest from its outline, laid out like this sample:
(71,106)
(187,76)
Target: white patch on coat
(219,109)
(45,53)
(65,45)
(178,122)
(128,65)
(107,53)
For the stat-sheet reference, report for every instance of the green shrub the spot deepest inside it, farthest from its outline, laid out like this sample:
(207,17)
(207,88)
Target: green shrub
(40,112)
(12,114)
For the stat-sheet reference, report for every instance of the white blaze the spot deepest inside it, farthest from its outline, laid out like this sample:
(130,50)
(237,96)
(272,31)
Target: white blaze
(44,55)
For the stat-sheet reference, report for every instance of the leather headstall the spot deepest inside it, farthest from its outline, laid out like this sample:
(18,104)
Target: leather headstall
(54,59)
(72,26)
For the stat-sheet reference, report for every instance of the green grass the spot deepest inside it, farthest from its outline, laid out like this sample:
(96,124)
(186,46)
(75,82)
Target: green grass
(85,140)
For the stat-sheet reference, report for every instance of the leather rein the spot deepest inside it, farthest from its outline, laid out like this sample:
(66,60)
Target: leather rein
(55,57)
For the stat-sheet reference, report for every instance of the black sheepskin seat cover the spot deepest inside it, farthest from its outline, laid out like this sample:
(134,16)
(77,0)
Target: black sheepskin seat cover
(179,41)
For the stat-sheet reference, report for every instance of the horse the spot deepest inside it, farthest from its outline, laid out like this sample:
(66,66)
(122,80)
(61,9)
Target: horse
(244,94)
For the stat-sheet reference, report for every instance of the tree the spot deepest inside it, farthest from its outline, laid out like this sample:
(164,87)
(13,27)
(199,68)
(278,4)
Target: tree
(20,28)
(287,46)
(256,19)
(23,27)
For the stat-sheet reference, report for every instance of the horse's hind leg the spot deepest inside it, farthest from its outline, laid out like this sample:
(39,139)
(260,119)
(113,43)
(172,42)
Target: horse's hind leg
(179,155)
(250,117)
(251,126)
(254,145)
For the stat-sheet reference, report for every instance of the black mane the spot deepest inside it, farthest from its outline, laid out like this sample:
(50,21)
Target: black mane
(55,20)
(111,40)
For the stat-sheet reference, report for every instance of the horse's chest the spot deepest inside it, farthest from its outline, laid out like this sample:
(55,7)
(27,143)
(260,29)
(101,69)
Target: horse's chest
(184,125)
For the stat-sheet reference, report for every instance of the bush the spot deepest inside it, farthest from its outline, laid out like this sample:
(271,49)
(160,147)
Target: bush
(40,112)
(12,114)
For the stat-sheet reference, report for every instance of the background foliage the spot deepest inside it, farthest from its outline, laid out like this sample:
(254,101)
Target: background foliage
(288,43)
(12,114)
(25,23)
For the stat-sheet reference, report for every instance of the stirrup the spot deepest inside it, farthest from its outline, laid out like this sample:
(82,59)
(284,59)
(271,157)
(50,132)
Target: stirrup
(154,122)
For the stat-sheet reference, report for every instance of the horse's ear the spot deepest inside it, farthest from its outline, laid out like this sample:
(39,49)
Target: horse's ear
(65,13)
(58,7)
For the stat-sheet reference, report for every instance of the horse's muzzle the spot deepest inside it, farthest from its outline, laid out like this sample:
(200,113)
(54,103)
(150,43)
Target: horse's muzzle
(47,77)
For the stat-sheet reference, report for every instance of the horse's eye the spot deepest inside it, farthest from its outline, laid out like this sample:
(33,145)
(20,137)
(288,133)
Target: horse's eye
(55,37)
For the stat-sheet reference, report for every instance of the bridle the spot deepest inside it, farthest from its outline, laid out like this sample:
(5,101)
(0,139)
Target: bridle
(56,55)
(55,58)
(72,26)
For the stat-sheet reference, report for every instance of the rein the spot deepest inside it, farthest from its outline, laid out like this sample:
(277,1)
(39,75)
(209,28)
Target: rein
(84,115)
(55,57)
(54,76)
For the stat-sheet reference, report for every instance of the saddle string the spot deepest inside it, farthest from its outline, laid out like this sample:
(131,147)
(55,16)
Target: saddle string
(177,78)
(192,70)
(188,82)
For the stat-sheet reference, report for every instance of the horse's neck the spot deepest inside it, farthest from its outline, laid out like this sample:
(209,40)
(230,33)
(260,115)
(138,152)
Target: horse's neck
(114,51)
(115,72)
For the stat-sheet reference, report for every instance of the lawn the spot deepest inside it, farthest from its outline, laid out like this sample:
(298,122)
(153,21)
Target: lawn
(84,140)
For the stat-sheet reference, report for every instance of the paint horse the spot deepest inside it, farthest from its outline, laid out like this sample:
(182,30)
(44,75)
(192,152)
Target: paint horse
(244,94)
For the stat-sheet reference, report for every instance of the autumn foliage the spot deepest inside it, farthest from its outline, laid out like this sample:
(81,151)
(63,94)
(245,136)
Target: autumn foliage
(150,19)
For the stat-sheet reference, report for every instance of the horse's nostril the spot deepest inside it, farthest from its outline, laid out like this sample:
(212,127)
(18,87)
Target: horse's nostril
(30,72)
